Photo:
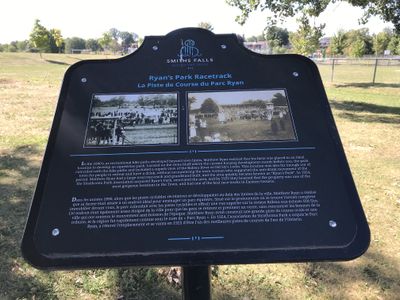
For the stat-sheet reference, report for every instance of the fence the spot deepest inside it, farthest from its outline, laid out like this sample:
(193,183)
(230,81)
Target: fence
(363,70)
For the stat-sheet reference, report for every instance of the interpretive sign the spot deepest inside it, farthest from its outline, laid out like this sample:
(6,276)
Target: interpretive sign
(193,150)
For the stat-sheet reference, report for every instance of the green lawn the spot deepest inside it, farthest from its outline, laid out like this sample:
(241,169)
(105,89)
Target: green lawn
(368,119)
(385,75)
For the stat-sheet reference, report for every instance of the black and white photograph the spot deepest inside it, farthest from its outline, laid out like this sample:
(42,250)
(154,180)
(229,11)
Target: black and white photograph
(235,116)
(132,119)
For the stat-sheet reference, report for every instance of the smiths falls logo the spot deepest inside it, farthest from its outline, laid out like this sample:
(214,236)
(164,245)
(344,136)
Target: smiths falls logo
(189,54)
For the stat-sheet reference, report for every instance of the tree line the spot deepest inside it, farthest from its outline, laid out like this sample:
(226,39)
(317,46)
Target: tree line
(154,100)
(46,40)
(307,40)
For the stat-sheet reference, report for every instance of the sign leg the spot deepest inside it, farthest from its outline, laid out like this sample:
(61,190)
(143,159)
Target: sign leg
(196,283)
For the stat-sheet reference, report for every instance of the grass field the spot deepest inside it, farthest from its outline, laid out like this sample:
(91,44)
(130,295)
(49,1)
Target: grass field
(368,119)
(246,130)
(346,73)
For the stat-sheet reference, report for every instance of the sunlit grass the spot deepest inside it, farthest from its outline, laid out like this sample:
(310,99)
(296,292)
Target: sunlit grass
(346,73)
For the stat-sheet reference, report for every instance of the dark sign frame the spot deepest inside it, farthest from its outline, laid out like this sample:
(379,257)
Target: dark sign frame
(287,253)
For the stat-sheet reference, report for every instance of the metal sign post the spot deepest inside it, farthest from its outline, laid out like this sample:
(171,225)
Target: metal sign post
(196,282)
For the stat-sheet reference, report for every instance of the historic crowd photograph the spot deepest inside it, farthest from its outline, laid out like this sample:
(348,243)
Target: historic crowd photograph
(236,116)
(132,119)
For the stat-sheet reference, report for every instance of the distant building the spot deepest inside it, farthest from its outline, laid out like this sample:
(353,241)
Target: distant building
(324,42)
(259,47)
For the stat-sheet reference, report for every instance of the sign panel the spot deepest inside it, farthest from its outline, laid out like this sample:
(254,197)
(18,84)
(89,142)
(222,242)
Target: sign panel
(193,150)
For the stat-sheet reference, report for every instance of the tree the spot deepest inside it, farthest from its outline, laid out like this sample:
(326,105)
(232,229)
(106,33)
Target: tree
(252,39)
(127,40)
(74,43)
(22,46)
(381,42)
(354,36)
(338,43)
(279,100)
(276,36)
(306,39)
(114,46)
(388,10)
(116,101)
(110,40)
(141,101)
(192,100)
(12,47)
(357,48)
(96,102)
(15,46)
(105,40)
(93,45)
(261,38)
(114,33)
(113,102)
(206,25)
(258,103)
(40,37)
(209,106)
(171,101)
(394,45)
(57,38)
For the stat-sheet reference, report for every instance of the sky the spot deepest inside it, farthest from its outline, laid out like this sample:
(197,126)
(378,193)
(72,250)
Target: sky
(90,18)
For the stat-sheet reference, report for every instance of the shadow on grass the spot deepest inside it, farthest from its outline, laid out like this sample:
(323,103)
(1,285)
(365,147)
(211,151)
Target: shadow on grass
(376,271)
(256,291)
(73,57)
(367,85)
(364,107)
(355,111)
(18,172)
(146,284)
(56,62)
(370,119)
